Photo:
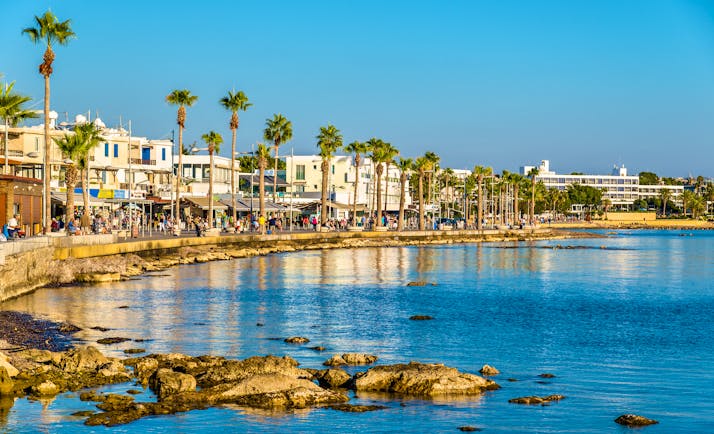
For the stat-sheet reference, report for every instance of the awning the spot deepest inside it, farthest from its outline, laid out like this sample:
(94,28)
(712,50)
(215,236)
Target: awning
(203,202)
(61,197)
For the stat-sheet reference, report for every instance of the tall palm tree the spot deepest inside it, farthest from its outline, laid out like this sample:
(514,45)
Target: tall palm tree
(73,147)
(358,149)
(405,166)
(433,160)
(481,172)
(48,31)
(279,131)
(183,99)
(421,165)
(378,156)
(12,111)
(532,174)
(91,136)
(262,154)
(328,141)
(234,102)
(390,152)
(664,194)
(213,140)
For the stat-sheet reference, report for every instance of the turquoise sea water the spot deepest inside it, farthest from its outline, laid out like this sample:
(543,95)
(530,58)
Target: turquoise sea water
(625,328)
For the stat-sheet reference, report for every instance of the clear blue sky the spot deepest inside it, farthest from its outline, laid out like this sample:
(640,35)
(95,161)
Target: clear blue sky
(586,84)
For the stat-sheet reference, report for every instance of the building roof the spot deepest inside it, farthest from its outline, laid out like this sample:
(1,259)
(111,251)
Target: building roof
(203,202)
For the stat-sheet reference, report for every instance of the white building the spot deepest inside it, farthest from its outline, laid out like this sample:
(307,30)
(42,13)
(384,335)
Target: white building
(196,172)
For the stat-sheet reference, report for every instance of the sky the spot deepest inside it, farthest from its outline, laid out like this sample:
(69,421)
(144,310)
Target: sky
(585,84)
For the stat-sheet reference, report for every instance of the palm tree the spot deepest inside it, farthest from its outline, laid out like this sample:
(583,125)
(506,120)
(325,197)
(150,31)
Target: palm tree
(48,31)
(687,197)
(234,102)
(531,212)
(433,160)
(389,153)
(91,136)
(421,165)
(378,156)
(213,140)
(278,130)
(262,154)
(446,176)
(405,165)
(12,112)
(606,204)
(357,148)
(73,147)
(328,141)
(183,99)
(665,194)
(481,172)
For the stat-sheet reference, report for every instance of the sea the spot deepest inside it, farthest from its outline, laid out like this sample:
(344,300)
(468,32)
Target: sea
(624,323)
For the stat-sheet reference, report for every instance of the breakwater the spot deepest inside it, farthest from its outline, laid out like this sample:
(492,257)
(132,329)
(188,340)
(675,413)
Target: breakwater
(63,260)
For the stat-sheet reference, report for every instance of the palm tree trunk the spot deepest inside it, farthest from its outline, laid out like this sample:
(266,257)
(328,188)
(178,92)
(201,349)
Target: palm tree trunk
(421,202)
(532,210)
(378,221)
(516,214)
(323,209)
(402,187)
(234,213)
(210,191)
(47,172)
(354,204)
(479,223)
(386,187)
(261,191)
(275,176)
(85,190)
(177,216)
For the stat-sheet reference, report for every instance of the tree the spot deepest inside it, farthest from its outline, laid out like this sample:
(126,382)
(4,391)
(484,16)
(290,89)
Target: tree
(213,140)
(279,131)
(606,204)
(665,194)
(532,174)
(91,136)
(687,199)
(12,111)
(584,195)
(183,99)
(378,156)
(648,178)
(358,149)
(48,31)
(329,140)
(405,166)
(263,155)
(421,165)
(234,102)
(481,172)
(433,160)
(72,146)
(389,153)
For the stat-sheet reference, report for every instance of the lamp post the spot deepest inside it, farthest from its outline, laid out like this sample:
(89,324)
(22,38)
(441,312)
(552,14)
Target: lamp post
(251,184)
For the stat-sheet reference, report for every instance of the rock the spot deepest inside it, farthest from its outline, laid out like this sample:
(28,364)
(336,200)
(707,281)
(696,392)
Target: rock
(114,367)
(489,370)
(512,380)
(331,378)
(82,359)
(134,351)
(112,340)
(83,413)
(6,383)
(297,340)
(145,368)
(134,392)
(634,420)
(418,283)
(97,277)
(422,379)
(468,428)
(351,408)
(68,328)
(421,317)
(318,348)
(235,370)
(546,375)
(46,388)
(536,400)
(9,368)
(351,359)
(166,382)
(114,402)
(101,329)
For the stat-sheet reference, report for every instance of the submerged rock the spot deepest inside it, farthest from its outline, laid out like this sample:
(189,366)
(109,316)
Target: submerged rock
(468,428)
(421,283)
(112,340)
(351,408)
(546,375)
(422,379)
(297,340)
(634,420)
(421,317)
(351,359)
(536,400)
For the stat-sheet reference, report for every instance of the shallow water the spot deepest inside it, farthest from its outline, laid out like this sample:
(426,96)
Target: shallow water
(625,328)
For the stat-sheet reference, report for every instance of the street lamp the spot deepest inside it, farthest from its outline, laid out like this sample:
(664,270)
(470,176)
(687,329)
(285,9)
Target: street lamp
(233,193)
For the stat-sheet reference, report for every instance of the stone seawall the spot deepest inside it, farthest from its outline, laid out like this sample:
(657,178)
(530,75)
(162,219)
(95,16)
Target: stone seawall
(70,260)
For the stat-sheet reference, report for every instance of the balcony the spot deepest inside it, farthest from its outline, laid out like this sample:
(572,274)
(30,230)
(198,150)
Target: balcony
(144,162)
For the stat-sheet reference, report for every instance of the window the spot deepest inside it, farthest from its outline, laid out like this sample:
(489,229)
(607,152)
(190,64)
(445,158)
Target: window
(315,186)
(106,149)
(104,175)
(314,167)
(116,150)
(346,177)
(300,172)
(300,188)
(163,154)
(333,169)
